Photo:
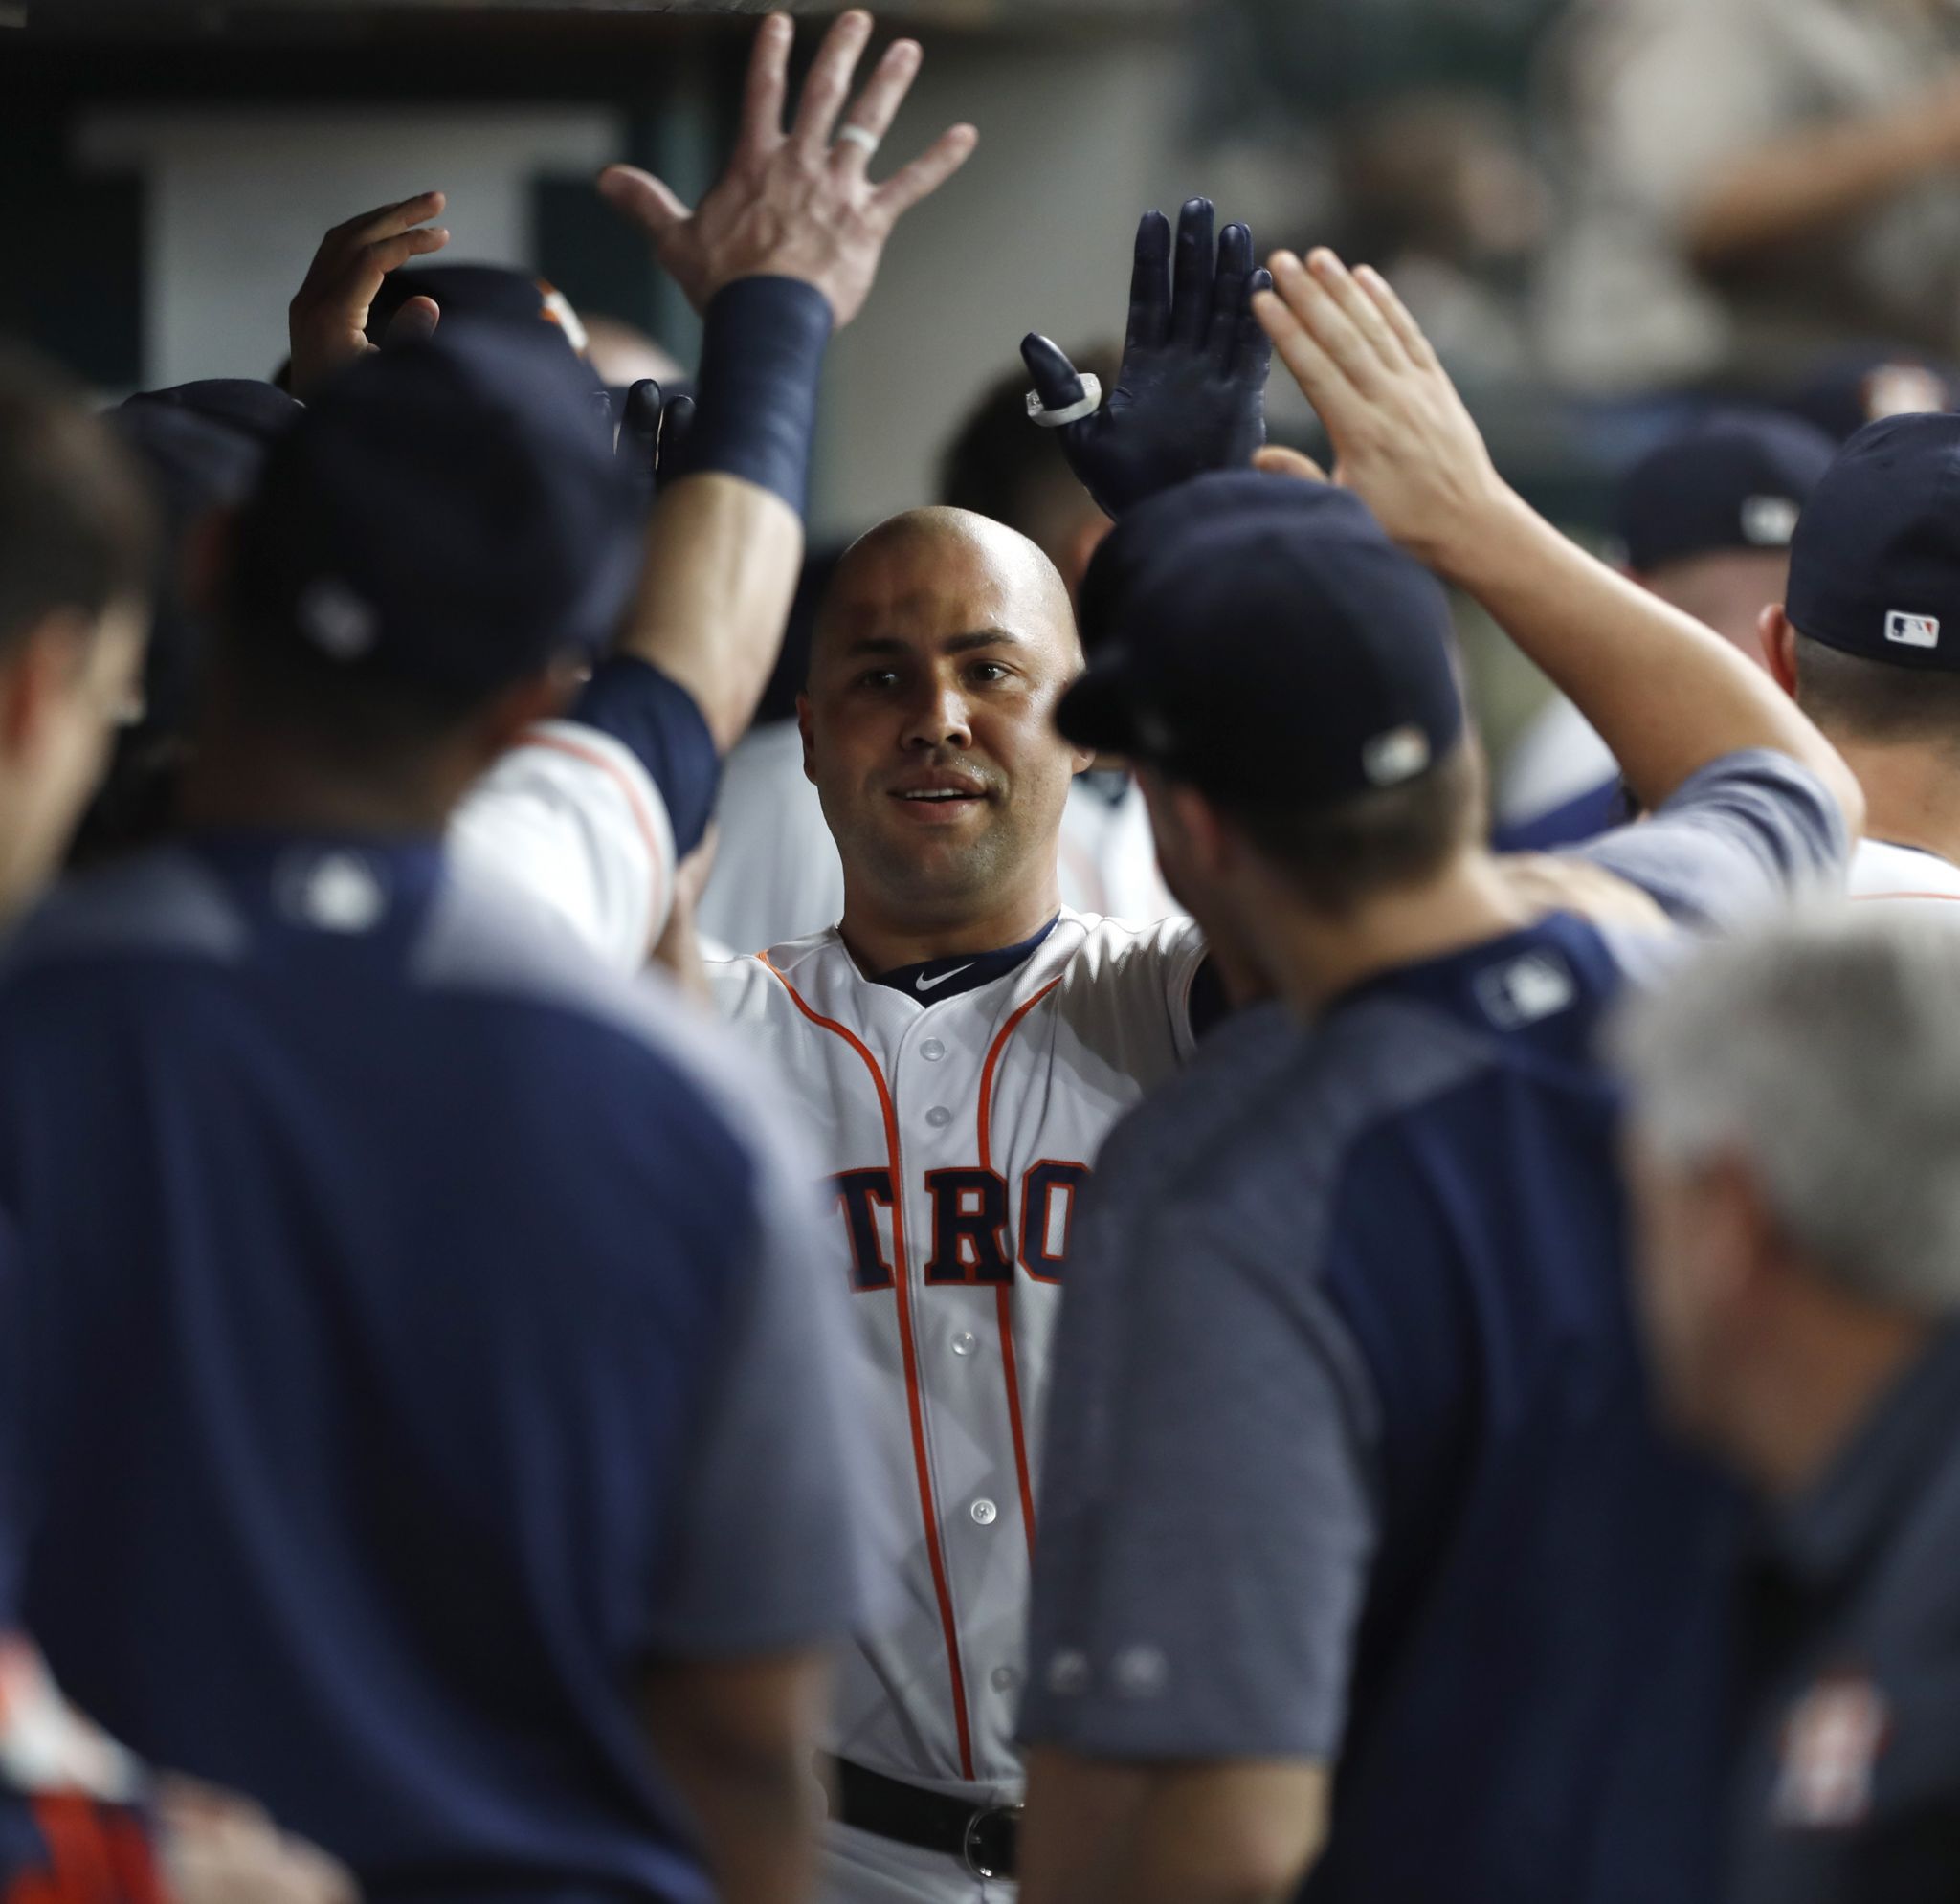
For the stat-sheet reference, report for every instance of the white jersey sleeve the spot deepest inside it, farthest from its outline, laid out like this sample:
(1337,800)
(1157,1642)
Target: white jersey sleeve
(1905,878)
(573,818)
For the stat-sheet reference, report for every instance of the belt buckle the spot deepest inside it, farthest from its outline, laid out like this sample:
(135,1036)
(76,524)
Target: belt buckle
(988,1846)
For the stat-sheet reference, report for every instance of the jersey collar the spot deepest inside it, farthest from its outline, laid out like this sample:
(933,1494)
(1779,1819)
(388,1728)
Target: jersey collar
(935,979)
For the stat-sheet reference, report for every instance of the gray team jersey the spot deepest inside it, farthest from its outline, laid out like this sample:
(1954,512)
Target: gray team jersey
(1241,1474)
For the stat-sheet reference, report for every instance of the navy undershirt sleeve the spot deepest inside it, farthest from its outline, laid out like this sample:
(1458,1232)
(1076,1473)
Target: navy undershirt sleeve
(658,722)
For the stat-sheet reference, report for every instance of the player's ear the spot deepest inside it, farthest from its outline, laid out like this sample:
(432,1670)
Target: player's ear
(1778,639)
(40,668)
(802,727)
(1749,1260)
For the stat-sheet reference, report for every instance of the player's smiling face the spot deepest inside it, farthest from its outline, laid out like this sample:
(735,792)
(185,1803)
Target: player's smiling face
(928,726)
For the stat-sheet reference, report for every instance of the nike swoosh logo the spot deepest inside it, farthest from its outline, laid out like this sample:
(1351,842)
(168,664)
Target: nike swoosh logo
(923,984)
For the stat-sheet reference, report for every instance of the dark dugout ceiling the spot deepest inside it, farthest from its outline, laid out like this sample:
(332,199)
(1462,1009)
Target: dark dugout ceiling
(392,21)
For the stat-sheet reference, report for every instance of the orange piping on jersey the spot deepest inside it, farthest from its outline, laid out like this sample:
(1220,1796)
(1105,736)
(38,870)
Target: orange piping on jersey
(1003,1295)
(636,801)
(902,1285)
(1865,899)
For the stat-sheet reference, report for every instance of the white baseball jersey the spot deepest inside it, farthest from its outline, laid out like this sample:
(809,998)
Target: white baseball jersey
(1903,879)
(776,872)
(957,1134)
(571,817)
(1108,854)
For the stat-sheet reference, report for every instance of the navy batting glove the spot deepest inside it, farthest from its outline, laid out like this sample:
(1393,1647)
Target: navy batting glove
(1192,394)
(652,429)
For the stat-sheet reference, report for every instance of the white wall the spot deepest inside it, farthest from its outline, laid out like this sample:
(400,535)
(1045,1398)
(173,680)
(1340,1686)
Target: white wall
(236,201)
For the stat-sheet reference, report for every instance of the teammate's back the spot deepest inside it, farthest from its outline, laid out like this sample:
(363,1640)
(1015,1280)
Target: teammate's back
(389,1349)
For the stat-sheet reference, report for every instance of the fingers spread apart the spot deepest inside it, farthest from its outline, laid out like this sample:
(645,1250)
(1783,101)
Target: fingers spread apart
(649,202)
(927,172)
(872,113)
(829,82)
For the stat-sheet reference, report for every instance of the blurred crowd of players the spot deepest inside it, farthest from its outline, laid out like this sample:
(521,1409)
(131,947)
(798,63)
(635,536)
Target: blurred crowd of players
(1472,1258)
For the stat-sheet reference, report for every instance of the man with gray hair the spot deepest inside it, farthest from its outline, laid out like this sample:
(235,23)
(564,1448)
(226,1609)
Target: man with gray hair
(1795,1117)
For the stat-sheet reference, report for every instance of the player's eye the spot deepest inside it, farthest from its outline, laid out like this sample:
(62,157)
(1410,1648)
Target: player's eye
(879,677)
(987,672)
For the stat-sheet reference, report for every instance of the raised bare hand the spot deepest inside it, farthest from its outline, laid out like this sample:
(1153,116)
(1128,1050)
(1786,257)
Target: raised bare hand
(1403,441)
(799,204)
(327,319)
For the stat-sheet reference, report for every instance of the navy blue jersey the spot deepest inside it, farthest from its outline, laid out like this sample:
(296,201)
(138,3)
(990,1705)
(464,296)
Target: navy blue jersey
(1350,1456)
(423,1347)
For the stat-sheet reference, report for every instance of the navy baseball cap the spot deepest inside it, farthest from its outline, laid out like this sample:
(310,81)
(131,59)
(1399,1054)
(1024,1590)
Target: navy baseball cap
(449,512)
(1875,570)
(1738,480)
(1260,638)
(253,409)
(497,293)
(1862,386)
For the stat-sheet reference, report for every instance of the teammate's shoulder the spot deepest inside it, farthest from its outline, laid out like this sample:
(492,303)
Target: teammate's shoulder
(755,974)
(163,903)
(1900,875)
(1100,936)
(1094,950)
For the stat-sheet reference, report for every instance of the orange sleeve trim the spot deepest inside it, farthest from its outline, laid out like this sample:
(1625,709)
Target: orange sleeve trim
(1866,899)
(908,1348)
(1003,1297)
(650,831)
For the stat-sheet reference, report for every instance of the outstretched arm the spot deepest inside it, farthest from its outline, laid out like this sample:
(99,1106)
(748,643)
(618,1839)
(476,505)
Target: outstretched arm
(780,251)
(783,248)
(1669,695)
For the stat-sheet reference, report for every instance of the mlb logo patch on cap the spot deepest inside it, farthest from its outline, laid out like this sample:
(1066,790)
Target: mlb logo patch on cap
(1912,630)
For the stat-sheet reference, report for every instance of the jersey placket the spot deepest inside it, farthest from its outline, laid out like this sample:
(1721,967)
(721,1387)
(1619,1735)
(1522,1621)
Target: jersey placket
(962,1268)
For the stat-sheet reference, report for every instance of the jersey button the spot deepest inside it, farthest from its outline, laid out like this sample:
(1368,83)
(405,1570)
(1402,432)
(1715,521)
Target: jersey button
(939,1117)
(966,1342)
(932,1051)
(985,1513)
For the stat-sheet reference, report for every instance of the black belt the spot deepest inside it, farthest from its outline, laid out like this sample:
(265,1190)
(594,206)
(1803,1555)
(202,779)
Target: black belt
(984,1838)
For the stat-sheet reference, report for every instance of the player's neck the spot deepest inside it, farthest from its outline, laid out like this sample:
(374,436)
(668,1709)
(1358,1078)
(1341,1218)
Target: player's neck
(240,779)
(883,936)
(1311,958)
(1912,794)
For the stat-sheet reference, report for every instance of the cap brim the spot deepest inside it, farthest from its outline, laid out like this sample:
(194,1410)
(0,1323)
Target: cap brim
(1096,713)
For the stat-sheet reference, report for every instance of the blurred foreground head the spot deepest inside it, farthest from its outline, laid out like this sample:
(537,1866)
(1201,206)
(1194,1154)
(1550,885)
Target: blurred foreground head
(1796,1117)
(76,555)
(429,555)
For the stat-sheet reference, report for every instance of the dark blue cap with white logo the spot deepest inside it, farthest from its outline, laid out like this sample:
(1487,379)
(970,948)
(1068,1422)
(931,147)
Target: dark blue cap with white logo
(1737,481)
(1875,570)
(449,512)
(1260,638)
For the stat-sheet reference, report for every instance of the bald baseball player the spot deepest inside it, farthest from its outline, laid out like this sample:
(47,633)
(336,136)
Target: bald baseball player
(959,1044)
(1359,1544)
